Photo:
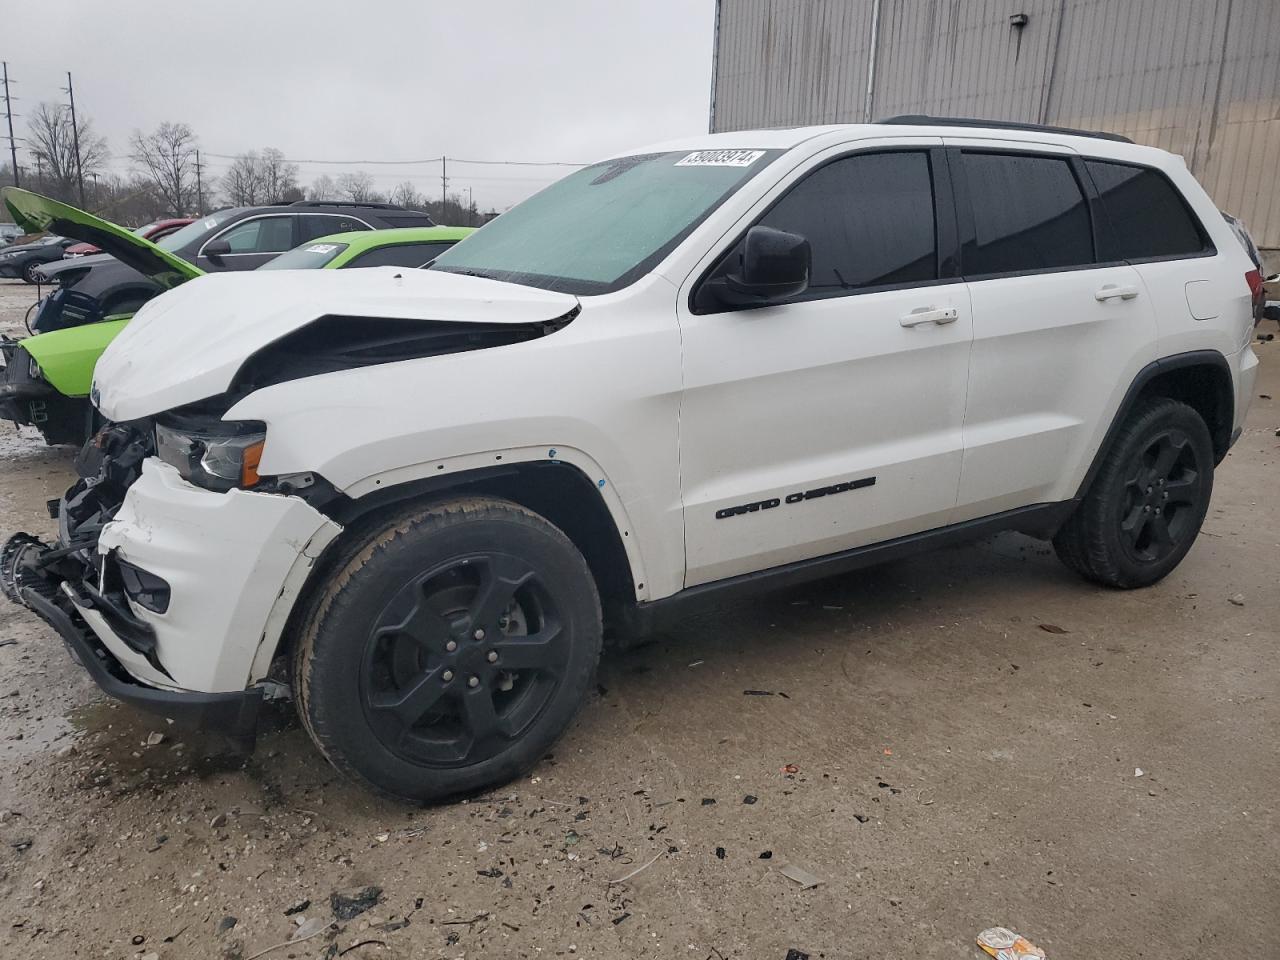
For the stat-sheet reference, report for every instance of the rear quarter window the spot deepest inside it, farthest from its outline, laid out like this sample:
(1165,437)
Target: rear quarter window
(1149,219)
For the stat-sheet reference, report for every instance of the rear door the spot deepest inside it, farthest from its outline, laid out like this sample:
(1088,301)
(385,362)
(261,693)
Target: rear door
(313,225)
(1059,330)
(833,420)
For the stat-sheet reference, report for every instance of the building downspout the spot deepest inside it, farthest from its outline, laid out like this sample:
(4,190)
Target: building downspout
(871,62)
(715,65)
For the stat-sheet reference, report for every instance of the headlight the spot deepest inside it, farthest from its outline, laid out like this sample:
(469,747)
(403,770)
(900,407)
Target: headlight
(219,456)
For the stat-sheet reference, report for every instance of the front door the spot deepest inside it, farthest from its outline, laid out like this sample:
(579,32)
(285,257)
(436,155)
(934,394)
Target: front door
(833,420)
(250,243)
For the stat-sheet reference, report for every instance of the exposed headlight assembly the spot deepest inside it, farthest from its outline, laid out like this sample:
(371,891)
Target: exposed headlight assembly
(218,456)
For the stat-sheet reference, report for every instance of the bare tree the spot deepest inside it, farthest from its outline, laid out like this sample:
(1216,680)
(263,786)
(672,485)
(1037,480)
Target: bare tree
(242,183)
(323,188)
(279,176)
(406,195)
(357,187)
(166,158)
(51,141)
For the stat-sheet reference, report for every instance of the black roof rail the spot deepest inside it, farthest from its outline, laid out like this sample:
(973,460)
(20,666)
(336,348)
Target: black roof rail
(922,120)
(366,204)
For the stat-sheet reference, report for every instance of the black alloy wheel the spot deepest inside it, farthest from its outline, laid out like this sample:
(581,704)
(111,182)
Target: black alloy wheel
(462,660)
(446,648)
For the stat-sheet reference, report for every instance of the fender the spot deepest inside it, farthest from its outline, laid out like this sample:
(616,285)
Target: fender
(451,471)
(417,480)
(1225,401)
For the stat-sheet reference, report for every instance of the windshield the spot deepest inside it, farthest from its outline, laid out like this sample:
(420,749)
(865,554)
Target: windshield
(143,230)
(176,241)
(603,227)
(310,256)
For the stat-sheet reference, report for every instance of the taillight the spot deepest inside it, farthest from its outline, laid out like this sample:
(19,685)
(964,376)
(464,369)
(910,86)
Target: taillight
(1254,279)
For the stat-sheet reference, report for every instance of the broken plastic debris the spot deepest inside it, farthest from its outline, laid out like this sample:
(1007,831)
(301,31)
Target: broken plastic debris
(1138,771)
(348,908)
(790,769)
(1052,628)
(1003,944)
(801,876)
(309,929)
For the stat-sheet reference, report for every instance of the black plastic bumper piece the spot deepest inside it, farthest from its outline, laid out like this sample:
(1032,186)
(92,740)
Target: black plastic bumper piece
(26,390)
(232,714)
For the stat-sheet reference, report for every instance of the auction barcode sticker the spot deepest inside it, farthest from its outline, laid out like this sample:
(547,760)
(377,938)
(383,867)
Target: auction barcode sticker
(721,158)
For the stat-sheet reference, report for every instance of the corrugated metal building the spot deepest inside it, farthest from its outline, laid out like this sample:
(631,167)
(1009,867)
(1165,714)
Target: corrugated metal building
(1198,77)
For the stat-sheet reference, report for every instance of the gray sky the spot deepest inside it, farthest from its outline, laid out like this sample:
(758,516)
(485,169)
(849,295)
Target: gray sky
(378,79)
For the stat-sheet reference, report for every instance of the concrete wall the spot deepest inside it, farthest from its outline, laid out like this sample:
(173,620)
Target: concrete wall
(1198,77)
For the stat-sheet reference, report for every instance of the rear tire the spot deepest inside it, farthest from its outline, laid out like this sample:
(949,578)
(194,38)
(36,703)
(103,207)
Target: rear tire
(449,651)
(29,272)
(1145,507)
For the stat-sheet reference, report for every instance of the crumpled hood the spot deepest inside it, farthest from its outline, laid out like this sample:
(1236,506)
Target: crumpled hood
(188,344)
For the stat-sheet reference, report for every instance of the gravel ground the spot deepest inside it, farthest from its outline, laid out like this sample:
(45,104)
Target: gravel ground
(948,743)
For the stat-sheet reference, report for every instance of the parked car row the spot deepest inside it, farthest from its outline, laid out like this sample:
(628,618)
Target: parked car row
(149,231)
(417,500)
(24,261)
(45,379)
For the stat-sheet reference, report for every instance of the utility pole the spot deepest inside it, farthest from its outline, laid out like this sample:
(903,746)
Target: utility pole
(470,207)
(75,137)
(444,186)
(8,112)
(199,188)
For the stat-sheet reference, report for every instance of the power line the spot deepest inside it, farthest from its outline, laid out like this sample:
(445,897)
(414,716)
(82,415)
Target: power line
(413,162)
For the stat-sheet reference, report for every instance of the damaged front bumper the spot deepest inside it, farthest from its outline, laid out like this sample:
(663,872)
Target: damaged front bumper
(172,596)
(28,399)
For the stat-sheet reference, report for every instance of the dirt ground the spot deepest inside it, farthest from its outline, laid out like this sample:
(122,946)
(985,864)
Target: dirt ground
(978,738)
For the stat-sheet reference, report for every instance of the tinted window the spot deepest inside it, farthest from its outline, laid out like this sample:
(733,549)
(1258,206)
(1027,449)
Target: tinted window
(1029,213)
(315,225)
(197,230)
(263,235)
(868,219)
(1148,216)
(400,255)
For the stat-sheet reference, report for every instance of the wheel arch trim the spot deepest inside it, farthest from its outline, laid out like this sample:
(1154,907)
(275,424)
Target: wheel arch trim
(438,476)
(1211,359)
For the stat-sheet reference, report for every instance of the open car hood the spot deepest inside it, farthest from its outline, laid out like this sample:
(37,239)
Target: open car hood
(190,344)
(35,213)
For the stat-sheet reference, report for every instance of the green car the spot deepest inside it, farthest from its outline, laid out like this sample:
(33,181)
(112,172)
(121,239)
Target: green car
(45,379)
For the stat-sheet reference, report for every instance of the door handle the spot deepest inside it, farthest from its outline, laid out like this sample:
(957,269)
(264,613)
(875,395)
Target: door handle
(938,315)
(1113,292)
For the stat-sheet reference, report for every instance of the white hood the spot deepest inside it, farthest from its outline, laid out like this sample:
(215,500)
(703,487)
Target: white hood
(187,344)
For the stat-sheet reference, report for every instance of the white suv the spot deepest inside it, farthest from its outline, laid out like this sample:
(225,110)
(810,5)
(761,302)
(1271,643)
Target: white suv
(419,499)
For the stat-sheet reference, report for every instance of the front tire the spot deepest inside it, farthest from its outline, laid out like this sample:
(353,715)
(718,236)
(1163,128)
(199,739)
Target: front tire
(449,651)
(1145,507)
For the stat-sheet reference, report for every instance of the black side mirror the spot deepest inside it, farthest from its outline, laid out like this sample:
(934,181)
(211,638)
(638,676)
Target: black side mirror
(775,267)
(216,248)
